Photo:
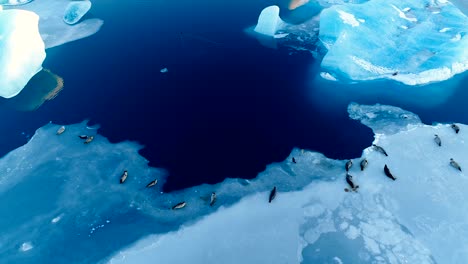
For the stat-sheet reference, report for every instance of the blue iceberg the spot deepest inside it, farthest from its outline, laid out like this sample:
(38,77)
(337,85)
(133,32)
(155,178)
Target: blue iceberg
(76,10)
(21,50)
(413,42)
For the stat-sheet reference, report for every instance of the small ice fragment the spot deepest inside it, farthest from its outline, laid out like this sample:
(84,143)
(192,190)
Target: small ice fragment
(26,246)
(280,35)
(56,219)
(164,70)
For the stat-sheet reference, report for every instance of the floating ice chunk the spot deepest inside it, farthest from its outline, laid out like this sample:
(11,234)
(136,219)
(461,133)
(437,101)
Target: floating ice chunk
(56,219)
(53,30)
(76,10)
(444,30)
(395,46)
(26,246)
(21,50)
(13,2)
(327,76)
(269,21)
(164,70)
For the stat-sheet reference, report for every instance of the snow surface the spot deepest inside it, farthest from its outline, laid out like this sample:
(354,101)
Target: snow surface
(269,21)
(406,41)
(21,50)
(53,30)
(75,11)
(419,218)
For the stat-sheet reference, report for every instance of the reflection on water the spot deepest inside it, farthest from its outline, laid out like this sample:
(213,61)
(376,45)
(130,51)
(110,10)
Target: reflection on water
(44,86)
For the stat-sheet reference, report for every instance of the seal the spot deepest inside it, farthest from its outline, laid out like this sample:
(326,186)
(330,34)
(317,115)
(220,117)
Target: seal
(437,140)
(213,198)
(152,183)
(89,139)
(454,164)
(388,173)
(348,165)
(364,164)
(293,160)
(272,195)
(349,180)
(455,128)
(61,130)
(179,206)
(380,149)
(124,176)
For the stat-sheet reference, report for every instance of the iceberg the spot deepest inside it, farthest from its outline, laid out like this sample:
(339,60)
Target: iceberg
(53,30)
(418,218)
(21,50)
(269,21)
(76,10)
(407,41)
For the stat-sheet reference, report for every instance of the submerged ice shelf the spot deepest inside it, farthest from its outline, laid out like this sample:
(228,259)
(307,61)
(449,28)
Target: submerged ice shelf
(70,195)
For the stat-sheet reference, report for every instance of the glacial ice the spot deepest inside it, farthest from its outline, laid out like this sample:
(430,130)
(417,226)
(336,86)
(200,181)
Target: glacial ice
(65,192)
(21,50)
(269,21)
(419,218)
(407,41)
(53,30)
(75,11)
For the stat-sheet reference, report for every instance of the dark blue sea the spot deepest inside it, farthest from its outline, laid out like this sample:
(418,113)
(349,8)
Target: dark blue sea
(227,106)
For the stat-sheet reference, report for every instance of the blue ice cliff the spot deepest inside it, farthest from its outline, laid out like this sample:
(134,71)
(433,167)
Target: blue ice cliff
(76,10)
(21,50)
(62,203)
(54,31)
